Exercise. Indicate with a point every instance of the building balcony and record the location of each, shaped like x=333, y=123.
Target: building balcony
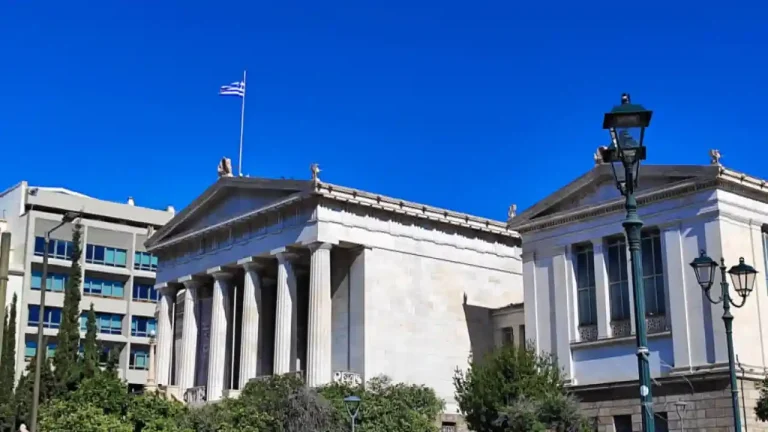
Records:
x=195, y=395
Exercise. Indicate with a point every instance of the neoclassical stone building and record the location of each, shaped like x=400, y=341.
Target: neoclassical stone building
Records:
x=262, y=276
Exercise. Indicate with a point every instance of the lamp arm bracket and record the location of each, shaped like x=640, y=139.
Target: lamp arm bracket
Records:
x=709, y=297
x=737, y=305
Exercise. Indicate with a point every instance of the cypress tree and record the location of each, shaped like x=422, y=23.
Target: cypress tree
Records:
x=90, y=347
x=65, y=362
x=8, y=370
x=24, y=390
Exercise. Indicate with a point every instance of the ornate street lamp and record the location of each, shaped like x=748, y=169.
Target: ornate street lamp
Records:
x=743, y=277
x=352, y=403
x=626, y=123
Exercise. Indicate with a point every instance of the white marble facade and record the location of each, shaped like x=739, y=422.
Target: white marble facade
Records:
x=262, y=277
x=686, y=209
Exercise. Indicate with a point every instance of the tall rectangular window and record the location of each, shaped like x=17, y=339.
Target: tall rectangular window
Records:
x=522, y=336
x=507, y=336
x=145, y=293
x=661, y=422
x=139, y=358
x=144, y=261
x=59, y=249
x=54, y=282
x=106, y=323
x=30, y=349
x=653, y=274
x=52, y=317
x=622, y=423
x=142, y=326
x=585, y=284
x=765, y=256
x=618, y=282
x=104, y=255
x=103, y=288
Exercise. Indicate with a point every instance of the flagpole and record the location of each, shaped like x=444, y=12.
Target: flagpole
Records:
x=242, y=121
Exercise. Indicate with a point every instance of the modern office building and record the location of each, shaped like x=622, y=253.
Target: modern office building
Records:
x=268, y=276
x=578, y=292
x=118, y=272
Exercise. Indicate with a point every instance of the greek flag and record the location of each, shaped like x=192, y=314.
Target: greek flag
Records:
x=235, y=89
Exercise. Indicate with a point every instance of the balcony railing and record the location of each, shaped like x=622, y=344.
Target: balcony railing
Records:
x=657, y=324
x=298, y=374
x=621, y=328
x=195, y=395
x=588, y=333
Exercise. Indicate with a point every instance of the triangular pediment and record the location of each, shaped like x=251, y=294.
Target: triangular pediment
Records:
x=227, y=199
x=598, y=186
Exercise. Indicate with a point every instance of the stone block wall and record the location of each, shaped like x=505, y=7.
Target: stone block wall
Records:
x=707, y=411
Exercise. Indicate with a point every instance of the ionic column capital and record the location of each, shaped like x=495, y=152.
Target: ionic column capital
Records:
x=284, y=255
x=253, y=264
x=191, y=282
x=165, y=288
x=319, y=246
x=220, y=274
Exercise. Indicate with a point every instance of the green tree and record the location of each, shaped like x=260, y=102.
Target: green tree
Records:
x=66, y=364
x=8, y=369
x=24, y=389
x=90, y=358
x=68, y=415
x=515, y=389
x=761, y=407
x=387, y=407
x=152, y=413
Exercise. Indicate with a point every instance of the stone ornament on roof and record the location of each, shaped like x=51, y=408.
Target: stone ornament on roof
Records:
x=598, y=156
x=511, y=212
x=315, y=170
x=225, y=167
x=714, y=157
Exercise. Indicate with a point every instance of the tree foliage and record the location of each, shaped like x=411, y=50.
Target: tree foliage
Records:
x=65, y=362
x=8, y=369
x=761, y=407
x=24, y=389
x=68, y=415
x=516, y=390
x=90, y=358
x=387, y=407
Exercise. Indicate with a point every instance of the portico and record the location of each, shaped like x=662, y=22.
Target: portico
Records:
x=260, y=277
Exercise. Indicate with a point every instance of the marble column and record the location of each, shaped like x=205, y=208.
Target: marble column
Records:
x=221, y=318
x=286, y=316
x=250, y=346
x=319, y=329
x=164, y=334
x=189, y=335
x=602, y=289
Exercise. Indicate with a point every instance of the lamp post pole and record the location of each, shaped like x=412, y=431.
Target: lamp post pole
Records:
x=743, y=277
x=40, y=352
x=632, y=225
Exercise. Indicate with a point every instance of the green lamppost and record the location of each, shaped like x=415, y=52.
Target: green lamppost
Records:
x=627, y=123
x=743, y=277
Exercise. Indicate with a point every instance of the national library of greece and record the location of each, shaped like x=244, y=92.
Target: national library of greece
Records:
x=265, y=276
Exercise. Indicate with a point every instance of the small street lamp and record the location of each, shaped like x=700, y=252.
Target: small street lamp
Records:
x=626, y=123
x=743, y=277
x=680, y=407
x=352, y=403
x=67, y=218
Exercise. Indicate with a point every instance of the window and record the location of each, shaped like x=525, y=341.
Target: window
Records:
x=52, y=317
x=139, y=358
x=765, y=255
x=108, y=256
x=106, y=323
x=103, y=288
x=30, y=349
x=653, y=274
x=585, y=285
x=144, y=261
x=507, y=336
x=54, y=282
x=622, y=423
x=523, y=342
x=142, y=326
x=145, y=293
x=661, y=422
x=59, y=249
x=618, y=282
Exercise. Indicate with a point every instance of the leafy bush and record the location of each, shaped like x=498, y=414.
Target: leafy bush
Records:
x=517, y=385
x=387, y=407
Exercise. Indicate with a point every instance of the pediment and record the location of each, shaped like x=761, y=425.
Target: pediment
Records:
x=598, y=186
x=228, y=199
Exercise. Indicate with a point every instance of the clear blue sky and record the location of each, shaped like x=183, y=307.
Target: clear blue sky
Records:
x=465, y=105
